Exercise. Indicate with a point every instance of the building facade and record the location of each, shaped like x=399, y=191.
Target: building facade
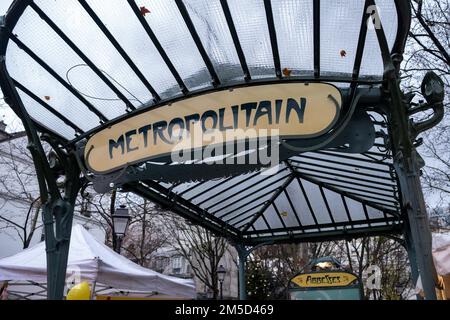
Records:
x=170, y=262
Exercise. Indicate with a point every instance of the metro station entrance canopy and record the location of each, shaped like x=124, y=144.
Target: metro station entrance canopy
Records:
x=110, y=85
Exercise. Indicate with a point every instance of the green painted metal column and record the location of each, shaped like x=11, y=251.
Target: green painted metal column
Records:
x=57, y=245
x=403, y=139
x=420, y=240
x=407, y=163
x=409, y=246
x=242, y=254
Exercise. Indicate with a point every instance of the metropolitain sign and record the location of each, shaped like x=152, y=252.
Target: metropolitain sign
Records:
x=290, y=110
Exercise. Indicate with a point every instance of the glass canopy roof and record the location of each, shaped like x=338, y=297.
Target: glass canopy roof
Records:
x=79, y=65
x=103, y=60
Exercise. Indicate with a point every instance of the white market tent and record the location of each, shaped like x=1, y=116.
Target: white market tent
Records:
x=91, y=261
x=441, y=253
x=441, y=257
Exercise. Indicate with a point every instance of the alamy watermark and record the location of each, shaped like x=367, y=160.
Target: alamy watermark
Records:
x=374, y=21
x=371, y=277
x=230, y=147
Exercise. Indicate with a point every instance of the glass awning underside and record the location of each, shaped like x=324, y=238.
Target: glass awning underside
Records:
x=80, y=65
x=316, y=195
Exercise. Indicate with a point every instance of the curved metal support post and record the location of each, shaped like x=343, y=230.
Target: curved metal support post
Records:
x=409, y=246
x=419, y=234
x=407, y=163
x=58, y=216
x=58, y=202
x=243, y=253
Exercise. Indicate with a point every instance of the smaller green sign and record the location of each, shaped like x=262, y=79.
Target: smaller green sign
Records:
x=325, y=285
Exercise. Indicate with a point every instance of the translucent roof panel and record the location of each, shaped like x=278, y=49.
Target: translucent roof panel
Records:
x=284, y=211
x=32, y=75
x=338, y=43
x=294, y=26
x=233, y=196
x=71, y=69
x=251, y=25
x=300, y=204
x=75, y=22
x=36, y=111
x=134, y=40
x=372, y=64
x=166, y=21
x=318, y=207
x=273, y=219
x=211, y=24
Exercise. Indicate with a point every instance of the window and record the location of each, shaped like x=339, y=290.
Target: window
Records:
x=161, y=263
x=176, y=264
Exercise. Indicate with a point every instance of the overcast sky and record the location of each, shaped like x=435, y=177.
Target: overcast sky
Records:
x=5, y=113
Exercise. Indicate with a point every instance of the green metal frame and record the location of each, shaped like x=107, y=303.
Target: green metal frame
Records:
x=58, y=202
x=402, y=205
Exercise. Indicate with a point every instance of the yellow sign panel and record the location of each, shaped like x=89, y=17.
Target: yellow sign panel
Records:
x=324, y=279
x=288, y=111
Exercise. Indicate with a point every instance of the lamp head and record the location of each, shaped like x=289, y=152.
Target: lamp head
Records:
x=221, y=273
x=433, y=88
x=121, y=219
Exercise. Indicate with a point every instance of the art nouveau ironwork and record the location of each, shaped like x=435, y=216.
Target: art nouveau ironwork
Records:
x=73, y=69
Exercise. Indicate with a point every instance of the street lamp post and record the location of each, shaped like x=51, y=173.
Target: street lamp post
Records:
x=121, y=219
x=221, y=272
